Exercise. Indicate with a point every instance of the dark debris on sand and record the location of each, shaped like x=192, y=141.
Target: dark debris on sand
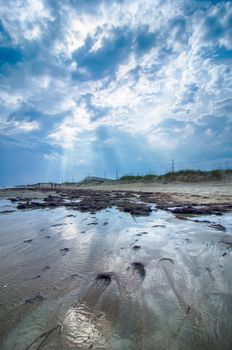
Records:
x=140, y=269
x=27, y=241
x=218, y=227
x=7, y=211
x=135, y=203
x=136, y=247
x=104, y=278
x=89, y=201
x=37, y=298
x=65, y=250
x=207, y=209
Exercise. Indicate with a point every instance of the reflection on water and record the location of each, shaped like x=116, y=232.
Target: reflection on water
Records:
x=111, y=281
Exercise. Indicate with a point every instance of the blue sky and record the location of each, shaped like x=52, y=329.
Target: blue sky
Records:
x=98, y=85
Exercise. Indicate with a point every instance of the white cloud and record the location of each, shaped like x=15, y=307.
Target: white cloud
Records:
x=26, y=126
x=9, y=101
x=12, y=127
x=53, y=156
x=69, y=130
x=77, y=26
x=212, y=27
x=25, y=20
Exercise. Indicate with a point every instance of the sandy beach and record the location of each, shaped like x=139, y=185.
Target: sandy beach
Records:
x=201, y=193
x=179, y=193
x=106, y=267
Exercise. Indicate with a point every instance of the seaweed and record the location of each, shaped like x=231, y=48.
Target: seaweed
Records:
x=218, y=227
x=140, y=269
x=104, y=278
x=167, y=259
x=136, y=247
x=27, y=241
x=37, y=298
x=65, y=250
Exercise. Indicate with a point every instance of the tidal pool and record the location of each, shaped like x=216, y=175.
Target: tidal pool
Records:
x=71, y=280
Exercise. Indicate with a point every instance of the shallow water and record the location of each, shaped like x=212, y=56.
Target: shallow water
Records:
x=183, y=299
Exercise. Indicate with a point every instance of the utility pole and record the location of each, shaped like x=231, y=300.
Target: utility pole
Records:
x=116, y=174
x=173, y=166
x=105, y=175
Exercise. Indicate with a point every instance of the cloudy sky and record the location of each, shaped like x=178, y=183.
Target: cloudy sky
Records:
x=88, y=86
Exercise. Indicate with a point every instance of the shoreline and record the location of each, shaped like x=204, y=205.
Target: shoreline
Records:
x=191, y=197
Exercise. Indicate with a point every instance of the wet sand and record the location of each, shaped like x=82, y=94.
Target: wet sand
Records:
x=71, y=279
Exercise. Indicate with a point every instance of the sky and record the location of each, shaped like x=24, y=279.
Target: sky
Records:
x=104, y=86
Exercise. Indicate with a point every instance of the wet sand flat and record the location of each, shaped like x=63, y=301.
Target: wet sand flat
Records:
x=108, y=279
